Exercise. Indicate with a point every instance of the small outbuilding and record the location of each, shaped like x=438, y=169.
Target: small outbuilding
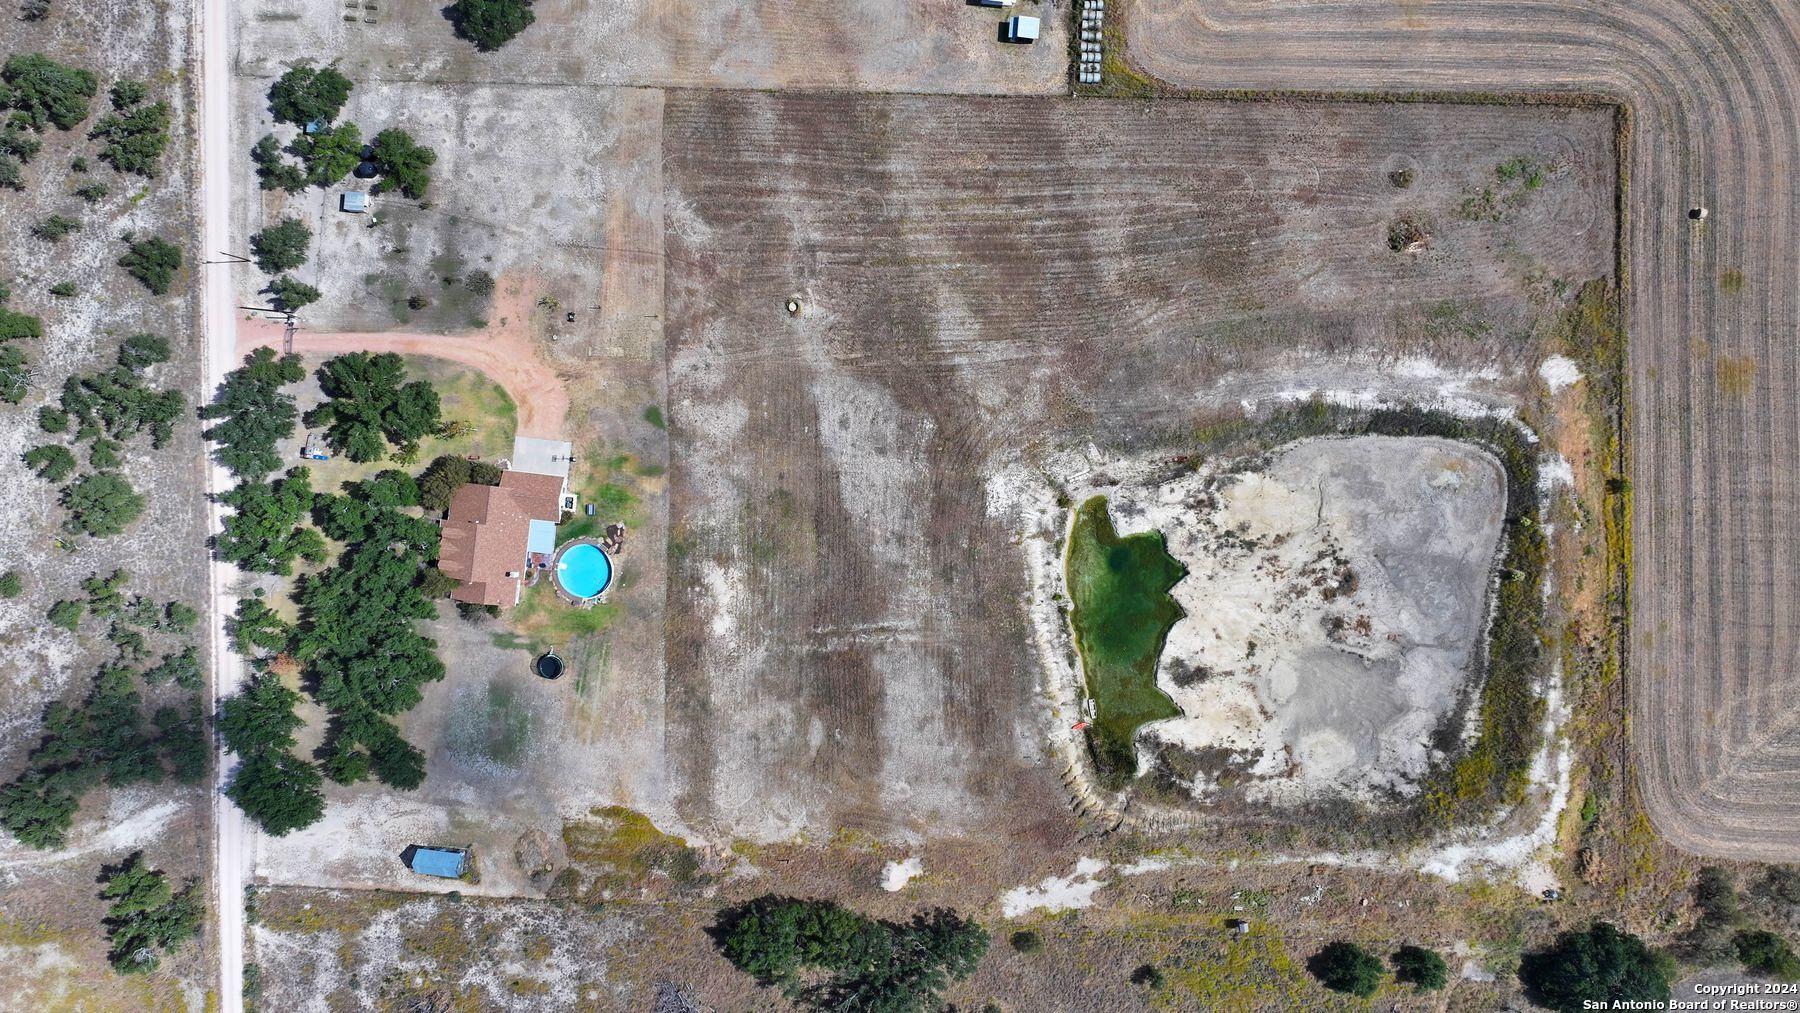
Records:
x=446, y=863
x=354, y=201
x=1022, y=28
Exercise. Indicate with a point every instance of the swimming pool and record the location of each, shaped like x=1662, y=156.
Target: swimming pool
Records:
x=583, y=571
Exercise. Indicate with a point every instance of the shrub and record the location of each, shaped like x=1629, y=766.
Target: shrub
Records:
x=44, y=92
x=1421, y=968
x=52, y=462
x=67, y=614
x=143, y=350
x=304, y=95
x=15, y=375
x=34, y=10
x=153, y=262
x=1026, y=941
x=54, y=227
x=127, y=93
x=1600, y=964
x=93, y=191
x=1148, y=975
x=281, y=247
x=479, y=282
x=11, y=584
x=1768, y=953
x=64, y=290
x=146, y=915
x=1347, y=967
x=52, y=419
x=133, y=140
x=101, y=504
x=491, y=24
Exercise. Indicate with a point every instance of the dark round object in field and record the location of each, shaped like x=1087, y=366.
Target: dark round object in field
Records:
x=548, y=666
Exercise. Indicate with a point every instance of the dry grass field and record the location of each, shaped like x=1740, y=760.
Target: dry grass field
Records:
x=1712, y=310
x=983, y=282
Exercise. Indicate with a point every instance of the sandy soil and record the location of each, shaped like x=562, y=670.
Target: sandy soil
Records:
x=504, y=352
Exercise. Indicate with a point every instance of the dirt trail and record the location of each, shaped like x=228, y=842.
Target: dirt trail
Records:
x=504, y=352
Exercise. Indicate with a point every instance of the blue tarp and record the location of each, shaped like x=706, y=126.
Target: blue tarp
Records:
x=438, y=862
x=541, y=537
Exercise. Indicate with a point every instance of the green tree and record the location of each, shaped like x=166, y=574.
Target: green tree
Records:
x=404, y=162
x=282, y=246
x=1599, y=964
x=263, y=533
x=437, y=584
x=42, y=91
x=491, y=24
x=1767, y=953
x=1347, y=967
x=52, y=419
x=255, y=628
x=39, y=807
x=182, y=668
x=100, y=504
x=254, y=414
x=11, y=584
x=291, y=295
x=183, y=741
x=448, y=473
x=117, y=402
x=127, y=93
x=1715, y=894
x=152, y=261
x=133, y=140
x=330, y=154
x=141, y=351
x=1422, y=968
x=371, y=401
x=281, y=792
x=52, y=462
x=146, y=916
x=179, y=617
x=260, y=717
x=16, y=326
x=273, y=171
x=306, y=95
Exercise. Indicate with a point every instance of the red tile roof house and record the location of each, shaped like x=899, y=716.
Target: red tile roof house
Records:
x=488, y=535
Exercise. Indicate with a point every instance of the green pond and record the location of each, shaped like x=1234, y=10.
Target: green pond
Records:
x=1122, y=612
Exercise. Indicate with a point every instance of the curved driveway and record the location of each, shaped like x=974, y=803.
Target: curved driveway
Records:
x=1714, y=86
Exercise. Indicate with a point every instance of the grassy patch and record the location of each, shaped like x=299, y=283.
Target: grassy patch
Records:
x=1122, y=614
x=542, y=620
x=625, y=845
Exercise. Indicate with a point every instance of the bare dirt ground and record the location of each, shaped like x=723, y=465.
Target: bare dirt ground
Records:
x=852, y=652
x=1712, y=305
x=52, y=945
x=938, y=47
x=505, y=354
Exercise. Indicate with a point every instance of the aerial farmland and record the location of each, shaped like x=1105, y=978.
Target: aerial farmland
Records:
x=1056, y=505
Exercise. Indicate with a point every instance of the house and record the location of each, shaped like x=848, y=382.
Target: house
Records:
x=354, y=201
x=1022, y=28
x=491, y=533
x=445, y=862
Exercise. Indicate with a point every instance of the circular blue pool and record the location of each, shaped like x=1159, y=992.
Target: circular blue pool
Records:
x=583, y=571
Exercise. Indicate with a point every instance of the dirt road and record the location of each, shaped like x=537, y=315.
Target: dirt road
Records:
x=505, y=355
x=1711, y=301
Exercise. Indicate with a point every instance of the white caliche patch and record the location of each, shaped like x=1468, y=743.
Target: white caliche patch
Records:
x=1559, y=372
x=895, y=875
x=1057, y=893
x=1555, y=472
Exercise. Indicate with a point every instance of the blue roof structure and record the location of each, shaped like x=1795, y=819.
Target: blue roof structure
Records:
x=540, y=536
x=355, y=201
x=438, y=862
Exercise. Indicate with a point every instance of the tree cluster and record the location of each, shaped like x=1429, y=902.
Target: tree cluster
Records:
x=357, y=638
x=371, y=404
x=41, y=92
x=146, y=915
x=450, y=472
x=134, y=135
x=1598, y=965
x=153, y=261
x=277, y=789
x=825, y=956
x=253, y=414
x=265, y=532
x=490, y=24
